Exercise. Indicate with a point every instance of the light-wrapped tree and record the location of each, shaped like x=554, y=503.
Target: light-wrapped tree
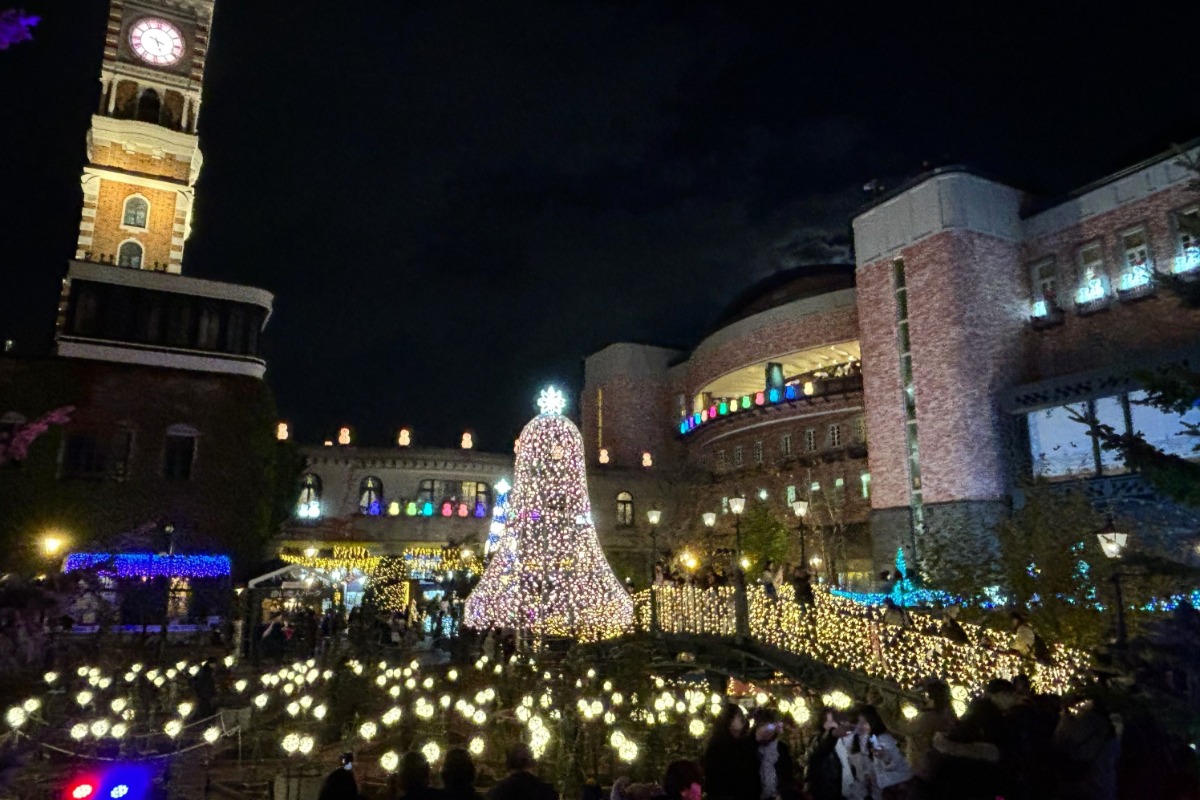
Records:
x=548, y=576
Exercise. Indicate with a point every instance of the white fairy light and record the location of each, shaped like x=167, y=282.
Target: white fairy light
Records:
x=212, y=734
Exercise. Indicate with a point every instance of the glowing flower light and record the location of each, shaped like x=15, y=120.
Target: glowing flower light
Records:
x=389, y=761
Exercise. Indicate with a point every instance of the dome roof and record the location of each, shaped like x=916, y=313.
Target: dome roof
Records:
x=786, y=286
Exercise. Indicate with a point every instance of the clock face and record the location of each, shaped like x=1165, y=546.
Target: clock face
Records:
x=156, y=41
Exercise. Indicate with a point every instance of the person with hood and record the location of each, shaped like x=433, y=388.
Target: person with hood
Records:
x=458, y=776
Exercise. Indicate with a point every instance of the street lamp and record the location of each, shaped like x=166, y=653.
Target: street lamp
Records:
x=654, y=516
x=51, y=545
x=737, y=505
x=800, y=509
x=1113, y=542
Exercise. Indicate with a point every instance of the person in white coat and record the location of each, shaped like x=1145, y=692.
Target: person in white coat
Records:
x=891, y=775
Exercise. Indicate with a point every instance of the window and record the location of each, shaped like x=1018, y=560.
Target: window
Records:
x=82, y=456
x=865, y=480
x=757, y=452
x=724, y=505
x=839, y=484
x=835, y=435
x=810, y=440
x=425, y=498
x=309, y=504
x=785, y=445
x=179, y=454
x=479, y=495
x=1138, y=269
x=815, y=486
x=737, y=456
x=720, y=459
x=130, y=255
x=136, y=212
x=370, y=496
x=1044, y=278
x=1187, y=227
x=790, y=493
x=624, y=509
x=1093, y=285
x=1167, y=432
x=122, y=451
x=860, y=429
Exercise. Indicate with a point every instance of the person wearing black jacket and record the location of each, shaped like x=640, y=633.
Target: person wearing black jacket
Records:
x=730, y=760
x=458, y=776
x=521, y=783
x=823, y=775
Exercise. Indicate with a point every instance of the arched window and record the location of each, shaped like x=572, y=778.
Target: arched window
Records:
x=370, y=497
x=309, y=504
x=624, y=509
x=137, y=211
x=149, y=106
x=180, y=452
x=483, y=500
x=130, y=255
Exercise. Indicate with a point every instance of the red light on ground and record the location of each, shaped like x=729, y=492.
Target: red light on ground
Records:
x=82, y=790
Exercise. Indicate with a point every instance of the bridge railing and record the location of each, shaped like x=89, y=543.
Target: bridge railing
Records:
x=847, y=635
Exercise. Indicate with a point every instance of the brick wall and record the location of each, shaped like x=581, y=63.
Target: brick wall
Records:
x=882, y=389
x=1125, y=330
x=108, y=233
x=117, y=157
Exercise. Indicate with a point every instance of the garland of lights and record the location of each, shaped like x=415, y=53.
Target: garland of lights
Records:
x=149, y=565
x=548, y=575
x=346, y=559
x=845, y=634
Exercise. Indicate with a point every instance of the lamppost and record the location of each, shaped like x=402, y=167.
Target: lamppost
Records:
x=800, y=509
x=737, y=505
x=654, y=516
x=1113, y=542
x=710, y=519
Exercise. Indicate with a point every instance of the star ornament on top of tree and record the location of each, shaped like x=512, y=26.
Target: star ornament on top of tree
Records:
x=551, y=401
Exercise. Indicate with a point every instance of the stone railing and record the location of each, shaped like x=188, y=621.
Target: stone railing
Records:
x=846, y=635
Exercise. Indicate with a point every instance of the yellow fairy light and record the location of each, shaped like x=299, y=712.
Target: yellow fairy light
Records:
x=79, y=731
x=389, y=761
x=475, y=746
x=212, y=734
x=432, y=752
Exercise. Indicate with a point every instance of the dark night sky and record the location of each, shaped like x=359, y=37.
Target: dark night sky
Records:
x=455, y=202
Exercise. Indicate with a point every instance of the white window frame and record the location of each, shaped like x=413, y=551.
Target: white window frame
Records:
x=1093, y=281
x=1187, y=245
x=1137, y=262
x=125, y=206
x=737, y=455
x=835, y=434
x=810, y=440
x=785, y=445
x=1044, y=298
x=141, y=258
x=757, y=452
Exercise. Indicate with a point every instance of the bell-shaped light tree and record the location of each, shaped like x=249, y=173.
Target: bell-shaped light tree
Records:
x=548, y=575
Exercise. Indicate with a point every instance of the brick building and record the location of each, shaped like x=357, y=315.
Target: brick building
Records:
x=172, y=423
x=913, y=392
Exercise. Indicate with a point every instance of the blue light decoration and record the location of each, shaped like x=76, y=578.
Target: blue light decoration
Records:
x=150, y=565
x=1187, y=262
x=499, y=517
x=773, y=395
x=1135, y=278
x=789, y=391
x=427, y=509
x=374, y=508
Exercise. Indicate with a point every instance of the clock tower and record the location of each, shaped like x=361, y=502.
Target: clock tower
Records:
x=124, y=298
x=142, y=150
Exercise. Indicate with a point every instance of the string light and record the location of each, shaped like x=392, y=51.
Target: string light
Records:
x=548, y=574
x=149, y=565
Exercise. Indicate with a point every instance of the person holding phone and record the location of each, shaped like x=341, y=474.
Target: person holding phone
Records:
x=776, y=771
x=892, y=776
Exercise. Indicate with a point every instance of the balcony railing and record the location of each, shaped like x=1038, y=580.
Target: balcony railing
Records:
x=793, y=392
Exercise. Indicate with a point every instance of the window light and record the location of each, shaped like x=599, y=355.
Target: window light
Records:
x=1040, y=309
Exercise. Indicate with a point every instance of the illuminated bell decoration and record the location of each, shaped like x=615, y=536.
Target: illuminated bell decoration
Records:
x=281, y=432
x=468, y=441
x=603, y=455
x=647, y=460
x=343, y=436
x=548, y=574
x=404, y=438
